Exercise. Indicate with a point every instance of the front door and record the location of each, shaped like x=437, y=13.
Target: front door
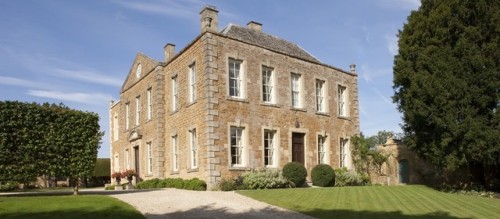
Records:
x=298, y=147
x=136, y=162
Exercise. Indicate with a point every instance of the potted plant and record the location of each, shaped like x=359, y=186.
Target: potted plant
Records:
x=117, y=176
x=129, y=174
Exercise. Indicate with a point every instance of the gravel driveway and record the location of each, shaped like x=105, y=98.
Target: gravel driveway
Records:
x=175, y=203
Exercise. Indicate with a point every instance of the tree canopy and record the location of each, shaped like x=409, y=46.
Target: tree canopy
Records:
x=447, y=82
x=46, y=139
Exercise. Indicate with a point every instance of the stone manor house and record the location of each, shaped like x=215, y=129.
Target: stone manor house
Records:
x=232, y=100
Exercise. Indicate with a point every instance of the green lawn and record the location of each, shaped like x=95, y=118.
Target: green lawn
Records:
x=369, y=202
x=82, y=206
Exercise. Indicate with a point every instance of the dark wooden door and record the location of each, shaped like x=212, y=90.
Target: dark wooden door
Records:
x=136, y=162
x=298, y=147
x=404, y=171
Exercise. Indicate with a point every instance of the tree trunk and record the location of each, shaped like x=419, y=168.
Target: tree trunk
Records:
x=76, y=184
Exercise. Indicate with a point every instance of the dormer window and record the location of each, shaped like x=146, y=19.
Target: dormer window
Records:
x=138, y=71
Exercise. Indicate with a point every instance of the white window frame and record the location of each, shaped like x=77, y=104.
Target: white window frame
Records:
x=127, y=116
x=268, y=86
x=238, y=90
x=322, y=141
x=344, y=153
x=175, y=94
x=321, y=103
x=237, y=148
x=150, y=157
x=192, y=83
x=115, y=127
x=342, y=101
x=193, y=145
x=296, y=90
x=150, y=104
x=271, y=145
x=175, y=153
x=137, y=110
x=127, y=159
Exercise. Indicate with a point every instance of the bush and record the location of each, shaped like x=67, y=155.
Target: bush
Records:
x=178, y=183
x=295, y=172
x=226, y=185
x=111, y=187
x=344, y=177
x=323, y=175
x=8, y=186
x=265, y=179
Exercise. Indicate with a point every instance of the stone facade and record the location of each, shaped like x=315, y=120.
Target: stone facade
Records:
x=402, y=166
x=231, y=101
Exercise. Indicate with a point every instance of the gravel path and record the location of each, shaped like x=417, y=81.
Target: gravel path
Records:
x=175, y=203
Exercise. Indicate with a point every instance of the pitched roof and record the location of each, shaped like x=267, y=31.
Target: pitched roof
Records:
x=267, y=41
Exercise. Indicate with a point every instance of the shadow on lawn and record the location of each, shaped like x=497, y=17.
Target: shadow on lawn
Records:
x=207, y=211
x=108, y=213
x=345, y=214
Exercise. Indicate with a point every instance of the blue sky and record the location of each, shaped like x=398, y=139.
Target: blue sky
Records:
x=79, y=52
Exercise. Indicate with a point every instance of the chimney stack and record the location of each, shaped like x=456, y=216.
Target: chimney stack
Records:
x=169, y=52
x=255, y=26
x=208, y=19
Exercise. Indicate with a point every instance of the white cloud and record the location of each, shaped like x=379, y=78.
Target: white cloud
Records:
x=392, y=44
x=20, y=82
x=87, y=98
x=88, y=76
x=382, y=96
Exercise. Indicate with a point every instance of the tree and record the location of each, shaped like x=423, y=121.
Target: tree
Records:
x=46, y=139
x=447, y=82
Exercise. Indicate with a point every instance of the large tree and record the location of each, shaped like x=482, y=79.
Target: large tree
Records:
x=50, y=140
x=447, y=82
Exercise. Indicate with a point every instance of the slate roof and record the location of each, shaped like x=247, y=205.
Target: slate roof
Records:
x=267, y=41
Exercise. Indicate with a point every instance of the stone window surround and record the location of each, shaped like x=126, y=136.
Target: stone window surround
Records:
x=273, y=84
x=174, y=95
x=149, y=96
x=243, y=75
x=326, y=97
x=174, y=136
x=149, y=158
x=326, y=143
x=346, y=113
x=246, y=146
x=192, y=90
x=276, y=145
x=300, y=91
x=192, y=168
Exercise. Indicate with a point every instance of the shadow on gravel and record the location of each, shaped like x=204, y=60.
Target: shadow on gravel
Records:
x=81, y=192
x=207, y=211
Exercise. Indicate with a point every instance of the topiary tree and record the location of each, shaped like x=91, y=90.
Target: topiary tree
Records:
x=323, y=175
x=295, y=172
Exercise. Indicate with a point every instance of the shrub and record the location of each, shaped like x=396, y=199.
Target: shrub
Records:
x=111, y=187
x=226, y=185
x=178, y=183
x=8, y=186
x=323, y=175
x=344, y=177
x=265, y=179
x=295, y=172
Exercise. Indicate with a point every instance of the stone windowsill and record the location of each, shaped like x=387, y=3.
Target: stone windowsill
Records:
x=298, y=109
x=344, y=117
x=192, y=170
x=174, y=172
x=190, y=103
x=322, y=113
x=237, y=99
x=270, y=104
x=239, y=168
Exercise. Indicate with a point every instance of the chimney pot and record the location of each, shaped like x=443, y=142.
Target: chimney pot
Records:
x=353, y=68
x=169, y=50
x=254, y=25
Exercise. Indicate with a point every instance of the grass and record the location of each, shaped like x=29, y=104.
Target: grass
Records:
x=379, y=202
x=82, y=206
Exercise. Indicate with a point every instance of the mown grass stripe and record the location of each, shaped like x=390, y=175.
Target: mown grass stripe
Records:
x=380, y=202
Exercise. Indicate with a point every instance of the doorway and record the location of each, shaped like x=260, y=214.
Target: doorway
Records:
x=298, y=147
x=404, y=171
